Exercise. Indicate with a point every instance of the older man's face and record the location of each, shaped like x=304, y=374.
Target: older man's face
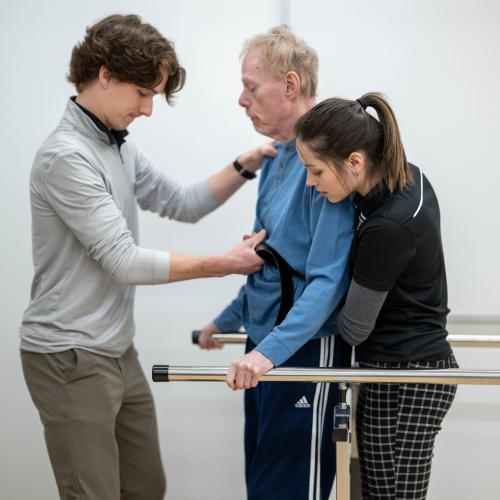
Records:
x=263, y=96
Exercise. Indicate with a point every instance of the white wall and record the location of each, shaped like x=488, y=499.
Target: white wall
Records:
x=438, y=63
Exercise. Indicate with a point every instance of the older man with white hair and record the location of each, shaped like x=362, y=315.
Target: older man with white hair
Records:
x=288, y=447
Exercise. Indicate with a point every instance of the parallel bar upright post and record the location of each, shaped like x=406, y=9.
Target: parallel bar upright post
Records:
x=342, y=437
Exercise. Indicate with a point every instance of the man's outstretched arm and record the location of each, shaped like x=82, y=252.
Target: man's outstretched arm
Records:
x=158, y=193
x=241, y=259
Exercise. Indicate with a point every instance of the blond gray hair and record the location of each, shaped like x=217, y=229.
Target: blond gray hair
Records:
x=284, y=51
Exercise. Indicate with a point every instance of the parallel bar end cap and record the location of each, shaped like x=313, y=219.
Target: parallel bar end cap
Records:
x=195, y=336
x=160, y=373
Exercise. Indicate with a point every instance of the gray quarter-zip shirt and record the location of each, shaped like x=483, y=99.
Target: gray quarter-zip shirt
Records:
x=84, y=191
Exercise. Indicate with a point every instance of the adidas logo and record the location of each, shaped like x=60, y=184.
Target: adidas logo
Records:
x=302, y=403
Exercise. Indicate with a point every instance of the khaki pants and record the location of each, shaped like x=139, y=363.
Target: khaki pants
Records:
x=100, y=424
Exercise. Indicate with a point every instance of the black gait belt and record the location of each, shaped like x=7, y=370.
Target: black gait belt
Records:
x=272, y=257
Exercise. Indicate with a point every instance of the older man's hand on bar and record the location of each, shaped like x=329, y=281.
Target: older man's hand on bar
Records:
x=205, y=340
x=245, y=371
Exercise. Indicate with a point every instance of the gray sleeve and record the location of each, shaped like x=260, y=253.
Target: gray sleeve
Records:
x=357, y=318
x=158, y=193
x=77, y=193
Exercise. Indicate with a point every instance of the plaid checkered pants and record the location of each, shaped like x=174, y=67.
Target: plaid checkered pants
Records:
x=396, y=427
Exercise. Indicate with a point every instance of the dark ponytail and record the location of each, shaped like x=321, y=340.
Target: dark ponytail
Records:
x=334, y=128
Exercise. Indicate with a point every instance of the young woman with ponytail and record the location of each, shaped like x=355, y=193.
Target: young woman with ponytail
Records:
x=396, y=307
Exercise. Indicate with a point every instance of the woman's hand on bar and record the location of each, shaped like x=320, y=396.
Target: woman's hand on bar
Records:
x=245, y=371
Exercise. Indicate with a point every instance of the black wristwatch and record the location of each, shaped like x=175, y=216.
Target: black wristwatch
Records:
x=241, y=170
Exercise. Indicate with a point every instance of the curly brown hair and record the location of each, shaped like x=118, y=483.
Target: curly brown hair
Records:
x=131, y=50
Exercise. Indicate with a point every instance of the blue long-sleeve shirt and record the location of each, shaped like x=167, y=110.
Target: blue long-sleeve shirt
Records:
x=314, y=237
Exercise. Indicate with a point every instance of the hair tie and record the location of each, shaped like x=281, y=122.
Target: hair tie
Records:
x=362, y=103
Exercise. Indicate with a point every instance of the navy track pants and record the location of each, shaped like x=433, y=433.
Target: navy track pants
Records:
x=289, y=452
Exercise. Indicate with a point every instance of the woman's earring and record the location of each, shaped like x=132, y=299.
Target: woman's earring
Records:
x=355, y=173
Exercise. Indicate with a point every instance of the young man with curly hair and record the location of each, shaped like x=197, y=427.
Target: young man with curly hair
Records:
x=77, y=349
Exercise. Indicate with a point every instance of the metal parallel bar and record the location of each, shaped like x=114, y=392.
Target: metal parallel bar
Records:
x=231, y=338
x=455, y=340
x=167, y=373
x=225, y=338
x=474, y=340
